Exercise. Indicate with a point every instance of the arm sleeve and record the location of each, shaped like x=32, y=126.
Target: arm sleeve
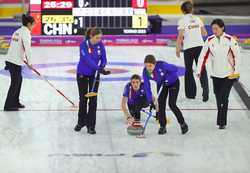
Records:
x=171, y=72
x=147, y=86
x=103, y=56
x=203, y=58
x=126, y=91
x=171, y=68
x=236, y=52
x=86, y=57
x=180, y=25
x=26, y=45
x=200, y=22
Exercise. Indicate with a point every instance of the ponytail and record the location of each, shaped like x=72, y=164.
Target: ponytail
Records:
x=90, y=32
x=26, y=19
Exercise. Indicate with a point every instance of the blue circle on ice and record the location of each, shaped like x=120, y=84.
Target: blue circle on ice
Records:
x=27, y=73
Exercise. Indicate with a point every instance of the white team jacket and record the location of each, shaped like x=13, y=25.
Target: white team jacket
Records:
x=20, y=46
x=223, y=54
x=191, y=25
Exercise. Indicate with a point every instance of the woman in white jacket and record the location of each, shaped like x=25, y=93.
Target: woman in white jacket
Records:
x=190, y=32
x=19, y=50
x=223, y=53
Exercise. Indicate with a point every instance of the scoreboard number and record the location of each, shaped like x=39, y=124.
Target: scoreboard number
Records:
x=139, y=3
x=139, y=21
x=72, y=17
x=56, y=4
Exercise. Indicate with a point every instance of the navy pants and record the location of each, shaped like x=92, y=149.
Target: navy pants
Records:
x=12, y=99
x=87, y=106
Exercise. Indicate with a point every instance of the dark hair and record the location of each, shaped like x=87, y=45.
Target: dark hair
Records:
x=219, y=22
x=150, y=59
x=26, y=19
x=187, y=7
x=136, y=77
x=92, y=32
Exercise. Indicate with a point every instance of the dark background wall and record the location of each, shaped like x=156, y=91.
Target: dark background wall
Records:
x=223, y=7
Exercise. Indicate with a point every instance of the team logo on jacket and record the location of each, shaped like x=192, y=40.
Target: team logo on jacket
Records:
x=141, y=95
x=99, y=51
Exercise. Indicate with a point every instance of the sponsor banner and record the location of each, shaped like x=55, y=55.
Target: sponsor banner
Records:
x=110, y=40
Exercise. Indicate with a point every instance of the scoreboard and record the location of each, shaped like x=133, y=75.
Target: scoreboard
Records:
x=73, y=17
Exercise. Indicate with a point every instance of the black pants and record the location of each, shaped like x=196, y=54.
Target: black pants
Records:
x=87, y=110
x=222, y=88
x=190, y=87
x=135, y=110
x=12, y=99
x=173, y=92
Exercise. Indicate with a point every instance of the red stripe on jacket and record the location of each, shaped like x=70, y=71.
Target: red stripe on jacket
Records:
x=205, y=60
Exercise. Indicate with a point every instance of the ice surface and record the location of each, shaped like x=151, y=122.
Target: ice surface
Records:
x=41, y=138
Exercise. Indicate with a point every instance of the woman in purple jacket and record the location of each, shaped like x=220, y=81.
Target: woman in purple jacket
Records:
x=92, y=59
x=168, y=82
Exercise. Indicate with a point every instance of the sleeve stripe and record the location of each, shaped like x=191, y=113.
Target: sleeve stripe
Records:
x=205, y=60
x=231, y=51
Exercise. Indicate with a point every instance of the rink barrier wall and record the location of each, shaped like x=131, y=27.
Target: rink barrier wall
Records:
x=114, y=40
x=238, y=86
x=109, y=40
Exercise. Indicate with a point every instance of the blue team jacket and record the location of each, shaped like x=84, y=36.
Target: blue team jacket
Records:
x=92, y=58
x=134, y=96
x=163, y=73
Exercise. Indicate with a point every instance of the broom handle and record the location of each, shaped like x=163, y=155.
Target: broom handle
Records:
x=96, y=75
x=146, y=122
x=93, y=86
x=39, y=74
x=150, y=114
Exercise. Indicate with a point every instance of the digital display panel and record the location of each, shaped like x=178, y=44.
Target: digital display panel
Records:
x=73, y=17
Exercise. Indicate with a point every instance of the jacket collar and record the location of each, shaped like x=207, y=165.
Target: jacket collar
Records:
x=26, y=29
x=222, y=36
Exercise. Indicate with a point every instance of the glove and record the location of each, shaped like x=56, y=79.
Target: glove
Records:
x=152, y=106
x=104, y=72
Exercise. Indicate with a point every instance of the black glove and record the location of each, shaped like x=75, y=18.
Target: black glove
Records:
x=152, y=106
x=104, y=72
